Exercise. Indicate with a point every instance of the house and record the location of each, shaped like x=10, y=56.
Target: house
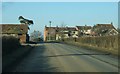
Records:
x=104, y=29
x=49, y=33
x=59, y=33
x=17, y=30
x=111, y=32
x=84, y=30
x=66, y=32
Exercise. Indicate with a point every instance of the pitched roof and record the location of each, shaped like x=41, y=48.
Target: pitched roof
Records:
x=110, y=26
x=103, y=28
x=83, y=27
x=61, y=28
x=66, y=28
x=103, y=24
x=50, y=28
x=14, y=28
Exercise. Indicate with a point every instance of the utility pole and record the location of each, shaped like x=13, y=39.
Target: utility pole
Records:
x=49, y=31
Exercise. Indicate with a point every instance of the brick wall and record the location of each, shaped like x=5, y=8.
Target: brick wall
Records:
x=22, y=38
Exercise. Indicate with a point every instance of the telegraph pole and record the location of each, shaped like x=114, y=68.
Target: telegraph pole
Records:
x=49, y=31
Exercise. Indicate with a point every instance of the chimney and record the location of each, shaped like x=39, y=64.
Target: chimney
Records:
x=50, y=23
x=111, y=23
x=45, y=26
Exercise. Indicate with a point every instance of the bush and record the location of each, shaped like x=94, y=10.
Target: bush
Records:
x=9, y=44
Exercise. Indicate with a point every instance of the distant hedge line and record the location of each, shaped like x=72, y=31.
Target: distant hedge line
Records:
x=110, y=42
x=9, y=44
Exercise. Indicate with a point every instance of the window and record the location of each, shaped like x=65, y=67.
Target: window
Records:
x=19, y=34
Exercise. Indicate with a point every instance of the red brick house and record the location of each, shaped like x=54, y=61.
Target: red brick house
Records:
x=49, y=33
x=17, y=30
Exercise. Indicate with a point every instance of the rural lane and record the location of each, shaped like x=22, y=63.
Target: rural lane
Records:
x=58, y=57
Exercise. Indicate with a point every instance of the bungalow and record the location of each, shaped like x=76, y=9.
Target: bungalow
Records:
x=17, y=30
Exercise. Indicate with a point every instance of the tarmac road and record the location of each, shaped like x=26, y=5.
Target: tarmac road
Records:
x=58, y=57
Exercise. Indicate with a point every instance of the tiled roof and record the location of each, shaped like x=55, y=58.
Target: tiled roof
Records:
x=104, y=25
x=103, y=28
x=67, y=28
x=61, y=28
x=83, y=27
x=14, y=28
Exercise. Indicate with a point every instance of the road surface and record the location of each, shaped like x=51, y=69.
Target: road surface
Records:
x=57, y=57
